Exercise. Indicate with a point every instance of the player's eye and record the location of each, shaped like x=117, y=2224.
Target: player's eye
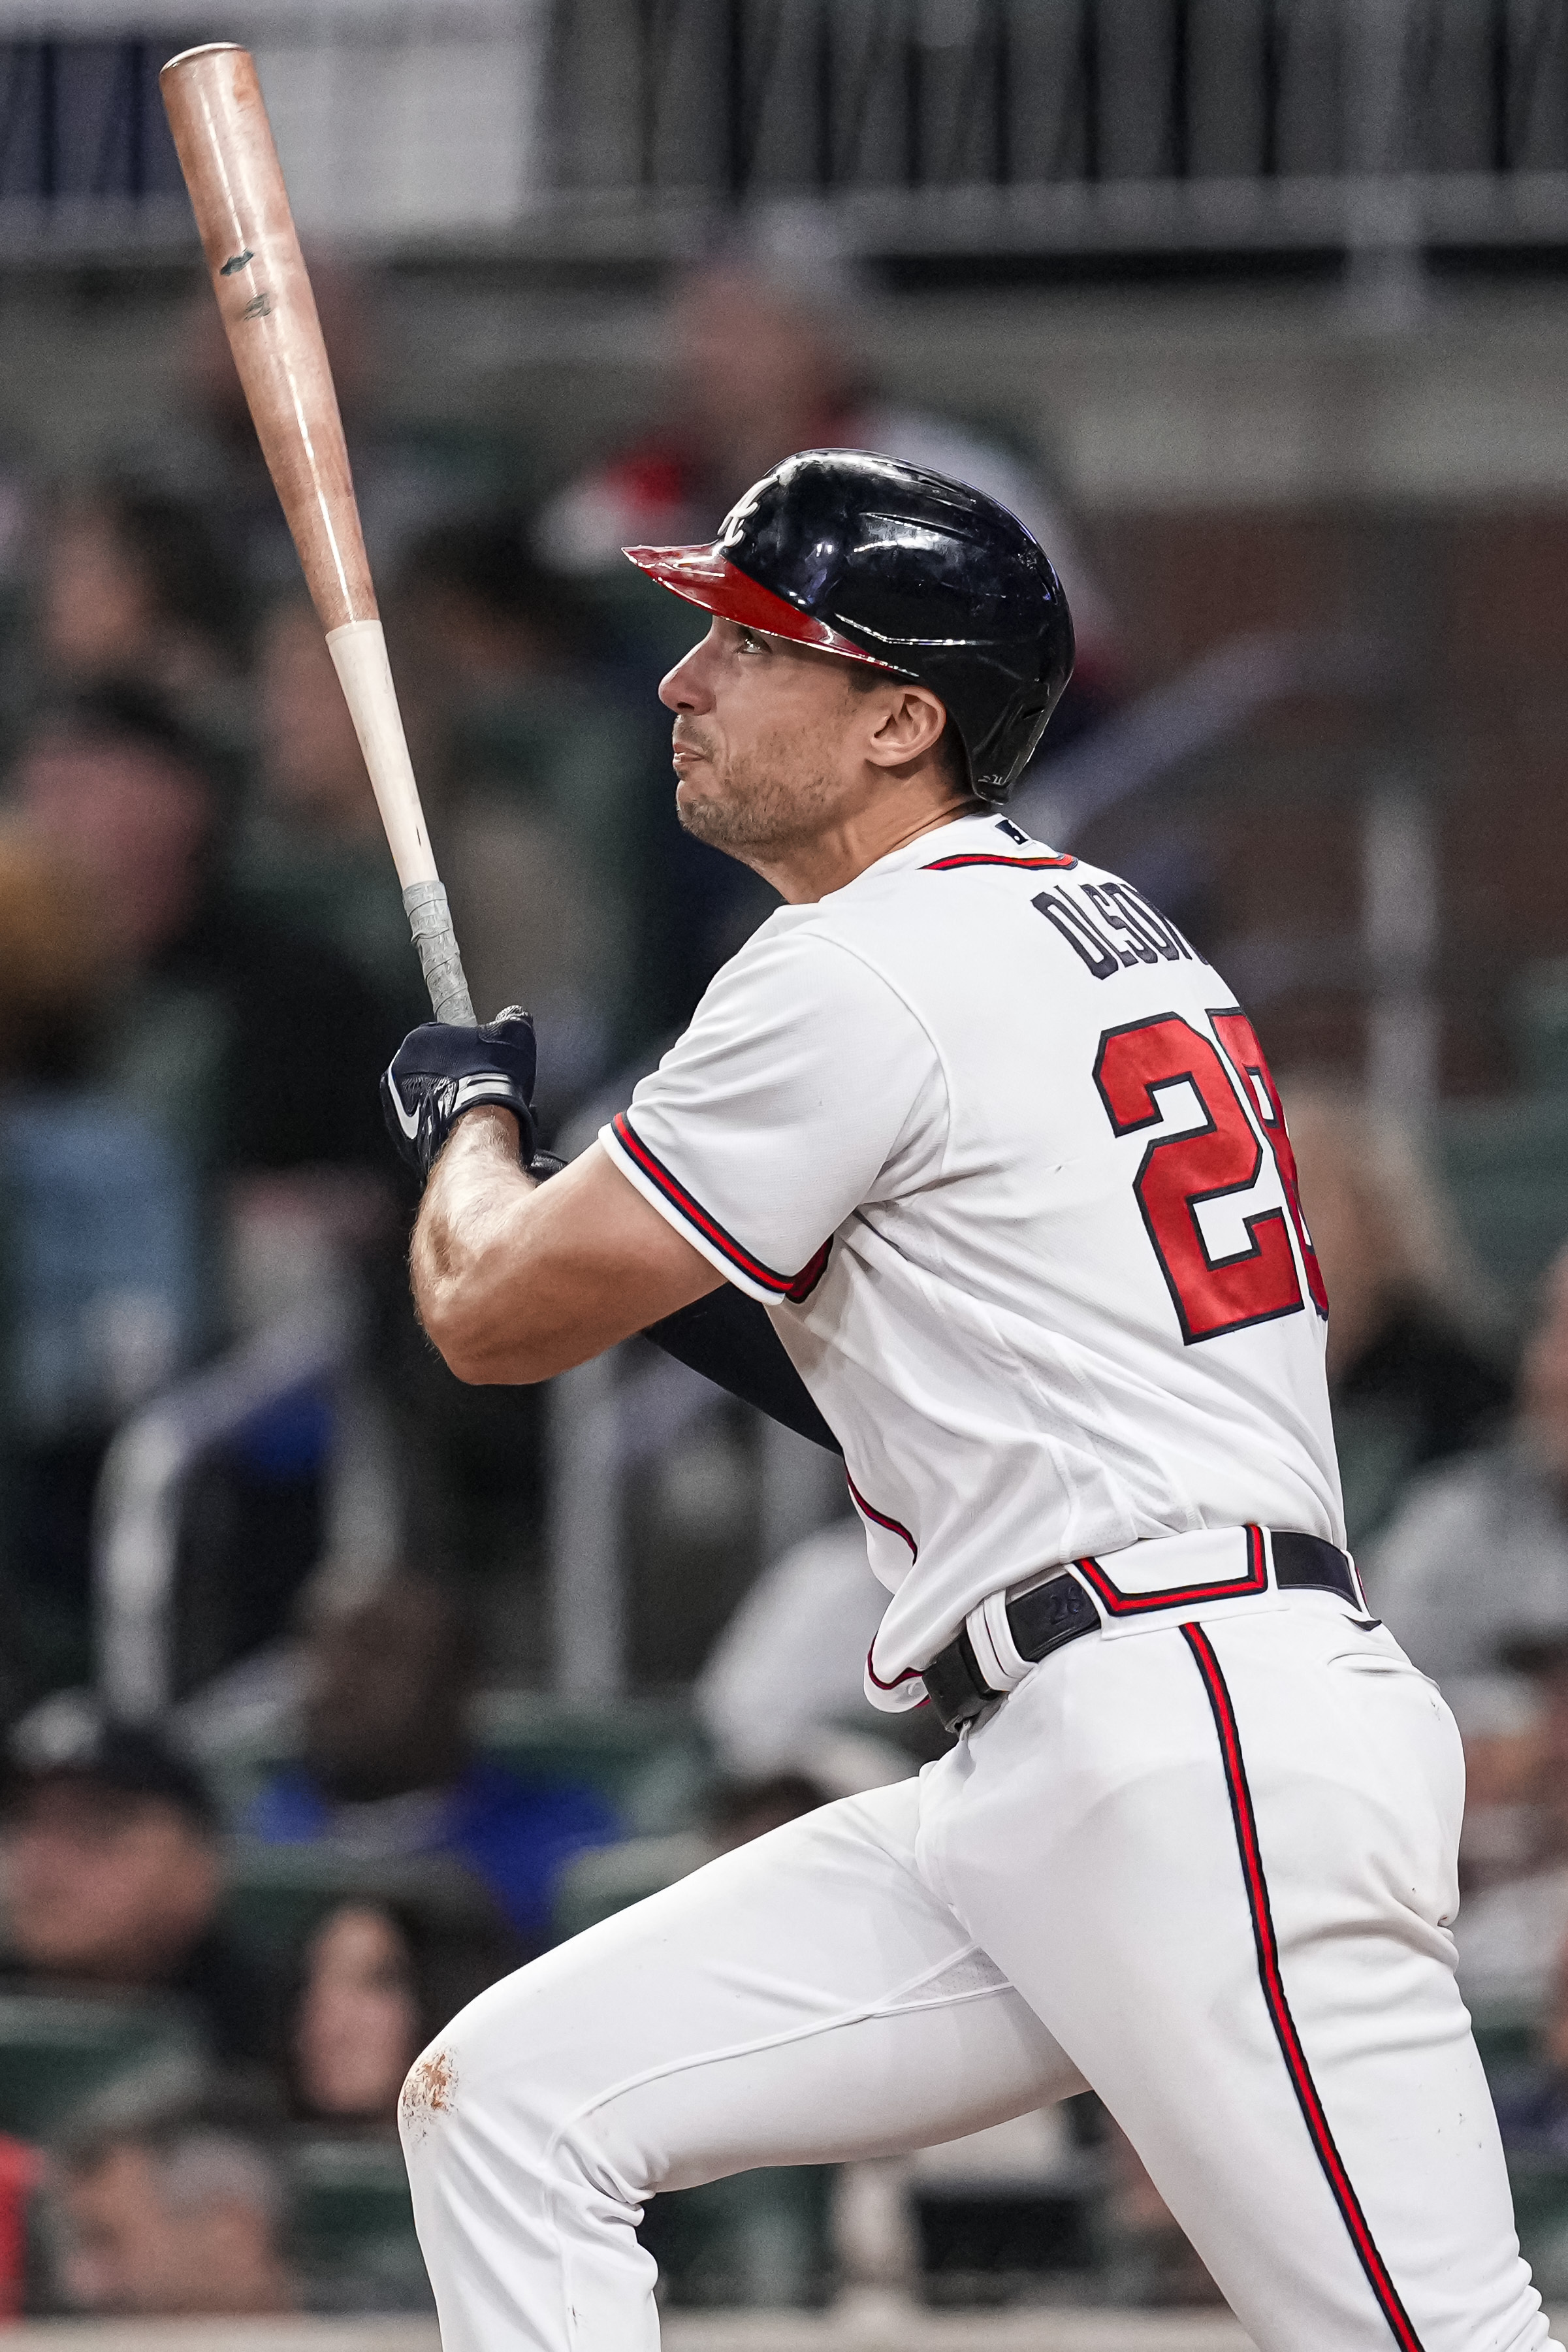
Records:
x=751, y=643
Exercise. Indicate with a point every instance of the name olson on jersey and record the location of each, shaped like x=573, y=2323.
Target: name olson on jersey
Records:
x=1110, y=928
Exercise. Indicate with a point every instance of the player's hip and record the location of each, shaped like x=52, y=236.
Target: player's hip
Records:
x=1302, y=1723
x=1204, y=1576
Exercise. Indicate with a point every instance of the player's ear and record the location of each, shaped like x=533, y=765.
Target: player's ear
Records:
x=910, y=720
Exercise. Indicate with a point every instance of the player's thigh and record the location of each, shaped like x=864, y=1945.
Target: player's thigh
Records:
x=805, y=1999
x=1244, y=1948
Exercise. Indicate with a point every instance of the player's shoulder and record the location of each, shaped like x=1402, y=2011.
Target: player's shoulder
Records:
x=801, y=963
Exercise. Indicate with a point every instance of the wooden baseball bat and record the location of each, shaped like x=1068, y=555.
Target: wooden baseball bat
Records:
x=225, y=143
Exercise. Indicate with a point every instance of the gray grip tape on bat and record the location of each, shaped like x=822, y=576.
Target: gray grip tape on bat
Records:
x=430, y=920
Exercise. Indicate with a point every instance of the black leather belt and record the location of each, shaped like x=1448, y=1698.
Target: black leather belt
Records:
x=1050, y=1615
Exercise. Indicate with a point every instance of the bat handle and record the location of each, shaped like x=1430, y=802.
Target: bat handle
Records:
x=435, y=943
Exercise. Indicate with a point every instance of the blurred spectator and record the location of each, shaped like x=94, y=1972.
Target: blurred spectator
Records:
x=206, y=1033
x=356, y=2027
x=177, y=2212
x=1532, y=2101
x=208, y=449
x=379, y=1981
x=21, y=2173
x=215, y=1021
x=741, y=1811
x=315, y=855
x=132, y=585
x=387, y=1770
x=1410, y=1373
x=762, y=362
x=51, y=964
x=98, y=1257
x=484, y=609
x=1476, y=1563
x=114, y=1874
x=543, y=782
x=783, y=1688
x=1512, y=1930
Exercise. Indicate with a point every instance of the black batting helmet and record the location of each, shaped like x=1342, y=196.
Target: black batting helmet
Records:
x=883, y=564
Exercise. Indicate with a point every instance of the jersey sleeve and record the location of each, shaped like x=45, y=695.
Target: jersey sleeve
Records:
x=804, y=1089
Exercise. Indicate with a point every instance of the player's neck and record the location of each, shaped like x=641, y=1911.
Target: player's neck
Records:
x=841, y=851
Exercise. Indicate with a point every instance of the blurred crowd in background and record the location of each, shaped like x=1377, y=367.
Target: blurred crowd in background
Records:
x=250, y=1867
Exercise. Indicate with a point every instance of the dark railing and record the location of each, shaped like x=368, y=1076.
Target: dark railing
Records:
x=959, y=125
x=81, y=123
x=1198, y=121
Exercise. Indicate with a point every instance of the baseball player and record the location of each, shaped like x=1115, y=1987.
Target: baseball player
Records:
x=986, y=1157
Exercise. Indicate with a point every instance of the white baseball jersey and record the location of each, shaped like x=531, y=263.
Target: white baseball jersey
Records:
x=1003, y=1156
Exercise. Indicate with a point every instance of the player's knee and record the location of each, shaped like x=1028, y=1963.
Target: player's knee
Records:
x=428, y=2097
x=517, y=2129
x=495, y=2076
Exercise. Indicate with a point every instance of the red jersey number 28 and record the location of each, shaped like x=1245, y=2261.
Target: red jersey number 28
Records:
x=1179, y=1174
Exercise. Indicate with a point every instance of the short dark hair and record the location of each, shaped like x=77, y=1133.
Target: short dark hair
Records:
x=491, y=559
x=82, y=1747
x=190, y=574
x=202, y=2147
x=118, y=710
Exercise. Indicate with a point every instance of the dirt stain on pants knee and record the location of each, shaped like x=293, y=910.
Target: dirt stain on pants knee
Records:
x=430, y=2091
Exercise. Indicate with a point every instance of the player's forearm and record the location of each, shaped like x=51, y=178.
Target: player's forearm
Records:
x=471, y=1243
x=517, y=1281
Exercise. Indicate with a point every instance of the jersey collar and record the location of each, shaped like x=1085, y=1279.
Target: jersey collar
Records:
x=961, y=833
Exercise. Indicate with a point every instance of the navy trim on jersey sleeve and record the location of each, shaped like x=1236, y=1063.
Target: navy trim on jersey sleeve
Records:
x=793, y=1287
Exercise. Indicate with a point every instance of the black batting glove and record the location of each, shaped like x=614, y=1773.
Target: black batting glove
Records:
x=441, y=1071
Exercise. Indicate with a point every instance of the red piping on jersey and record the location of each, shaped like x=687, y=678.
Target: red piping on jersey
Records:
x=894, y=1527
x=793, y=1287
x=910, y=1674
x=1118, y=1603
x=984, y=857
x=1278, y=2007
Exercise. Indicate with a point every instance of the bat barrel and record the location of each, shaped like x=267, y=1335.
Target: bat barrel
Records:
x=188, y=57
x=225, y=145
x=225, y=148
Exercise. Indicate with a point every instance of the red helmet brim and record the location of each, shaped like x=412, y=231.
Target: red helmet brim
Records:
x=706, y=576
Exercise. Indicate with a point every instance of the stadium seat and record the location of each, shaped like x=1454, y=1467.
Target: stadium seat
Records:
x=1506, y=1165
x=603, y=1881
x=58, y=2049
x=643, y=1755
x=1505, y=2035
x=760, y=2238
x=1540, y=2186
x=353, y=2234
x=277, y=1894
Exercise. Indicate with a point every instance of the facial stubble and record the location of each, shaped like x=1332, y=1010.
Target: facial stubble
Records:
x=765, y=804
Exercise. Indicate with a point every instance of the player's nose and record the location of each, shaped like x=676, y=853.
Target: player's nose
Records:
x=685, y=688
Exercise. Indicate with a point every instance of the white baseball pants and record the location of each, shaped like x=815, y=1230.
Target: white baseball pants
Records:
x=1208, y=1870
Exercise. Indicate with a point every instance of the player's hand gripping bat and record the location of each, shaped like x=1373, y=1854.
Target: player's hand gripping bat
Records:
x=226, y=149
